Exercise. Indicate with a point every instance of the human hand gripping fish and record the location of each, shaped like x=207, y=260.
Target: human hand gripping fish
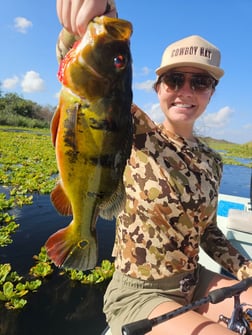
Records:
x=92, y=133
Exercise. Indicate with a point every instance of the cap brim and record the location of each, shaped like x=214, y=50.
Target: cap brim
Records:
x=214, y=71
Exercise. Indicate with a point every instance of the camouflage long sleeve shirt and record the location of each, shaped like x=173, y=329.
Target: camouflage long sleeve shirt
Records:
x=172, y=195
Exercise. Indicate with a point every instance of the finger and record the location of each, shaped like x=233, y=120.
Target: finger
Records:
x=58, y=9
x=87, y=12
x=75, y=9
x=65, y=18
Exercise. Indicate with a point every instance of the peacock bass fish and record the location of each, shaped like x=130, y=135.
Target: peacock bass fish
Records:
x=92, y=134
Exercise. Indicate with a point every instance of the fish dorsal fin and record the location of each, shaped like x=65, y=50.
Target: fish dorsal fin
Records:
x=60, y=200
x=113, y=206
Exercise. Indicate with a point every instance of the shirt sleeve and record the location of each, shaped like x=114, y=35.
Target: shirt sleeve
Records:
x=218, y=247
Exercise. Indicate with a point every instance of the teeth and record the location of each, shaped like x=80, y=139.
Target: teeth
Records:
x=183, y=105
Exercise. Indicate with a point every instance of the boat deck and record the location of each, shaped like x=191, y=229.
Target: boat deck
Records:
x=235, y=220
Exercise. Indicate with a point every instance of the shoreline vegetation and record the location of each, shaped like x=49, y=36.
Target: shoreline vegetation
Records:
x=232, y=153
x=27, y=167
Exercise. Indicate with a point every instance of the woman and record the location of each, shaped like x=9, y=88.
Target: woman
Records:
x=172, y=182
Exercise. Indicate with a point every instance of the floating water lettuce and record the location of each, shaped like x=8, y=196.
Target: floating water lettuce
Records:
x=43, y=266
x=95, y=276
x=12, y=289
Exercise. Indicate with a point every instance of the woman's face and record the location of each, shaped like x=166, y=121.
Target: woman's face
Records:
x=183, y=104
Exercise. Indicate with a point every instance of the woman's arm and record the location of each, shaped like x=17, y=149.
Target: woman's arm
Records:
x=218, y=247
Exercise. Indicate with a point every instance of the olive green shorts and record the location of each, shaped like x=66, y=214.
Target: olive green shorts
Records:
x=128, y=299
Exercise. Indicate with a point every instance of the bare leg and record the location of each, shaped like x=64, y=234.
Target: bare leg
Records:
x=190, y=323
x=225, y=307
x=205, y=320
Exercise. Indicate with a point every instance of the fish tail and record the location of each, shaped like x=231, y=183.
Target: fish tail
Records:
x=71, y=252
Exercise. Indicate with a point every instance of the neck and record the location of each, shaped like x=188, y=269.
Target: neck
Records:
x=185, y=131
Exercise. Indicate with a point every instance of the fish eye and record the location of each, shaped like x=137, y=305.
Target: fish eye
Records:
x=119, y=62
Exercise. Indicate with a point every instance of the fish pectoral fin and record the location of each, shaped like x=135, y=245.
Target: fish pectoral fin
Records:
x=70, y=251
x=112, y=207
x=55, y=124
x=60, y=200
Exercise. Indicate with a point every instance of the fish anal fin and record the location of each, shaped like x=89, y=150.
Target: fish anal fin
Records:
x=112, y=207
x=58, y=246
x=60, y=200
x=71, y=252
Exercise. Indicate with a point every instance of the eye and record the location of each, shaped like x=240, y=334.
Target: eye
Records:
x=202, y=82
x=119, y=62
x=174, y=80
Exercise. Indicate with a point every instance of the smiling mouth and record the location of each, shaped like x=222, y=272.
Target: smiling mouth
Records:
x=178, y=105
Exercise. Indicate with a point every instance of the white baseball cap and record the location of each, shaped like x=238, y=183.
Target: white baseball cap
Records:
x=192, y=51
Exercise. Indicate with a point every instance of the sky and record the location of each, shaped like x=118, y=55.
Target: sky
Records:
x=28, y=65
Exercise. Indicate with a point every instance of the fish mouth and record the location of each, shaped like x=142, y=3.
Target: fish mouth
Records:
x=89, y=39
x=83, y=63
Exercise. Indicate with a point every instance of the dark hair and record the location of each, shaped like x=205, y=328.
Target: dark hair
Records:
x=157, y=82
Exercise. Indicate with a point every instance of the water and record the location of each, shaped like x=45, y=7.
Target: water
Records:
x=236, y=180
x=61, y=306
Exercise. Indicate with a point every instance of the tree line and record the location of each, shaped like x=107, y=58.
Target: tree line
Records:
x=19, y=112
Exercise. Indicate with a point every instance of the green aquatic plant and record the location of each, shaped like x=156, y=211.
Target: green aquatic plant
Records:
x=6, y=230
x=12, y=289
x=4, y=271
x=42, y=256
x=8, y=224
x=41, y=269
x=13, y=295
x=7, y=275
x=25, y=169
x=43, y=266
x=22, y=172
x=95, y=276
